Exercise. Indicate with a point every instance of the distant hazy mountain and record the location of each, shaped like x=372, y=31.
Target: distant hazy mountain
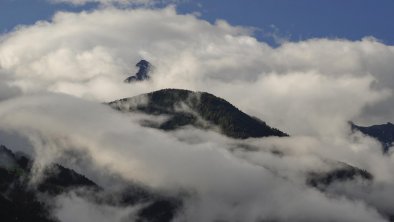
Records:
x=383, y=133
x=199, y=109
x=342, y=172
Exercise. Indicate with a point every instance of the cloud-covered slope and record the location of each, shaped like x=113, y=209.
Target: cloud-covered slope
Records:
x=23, y=199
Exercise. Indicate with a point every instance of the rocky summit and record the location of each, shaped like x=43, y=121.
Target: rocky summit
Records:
x=143, y=73
x=384, y=133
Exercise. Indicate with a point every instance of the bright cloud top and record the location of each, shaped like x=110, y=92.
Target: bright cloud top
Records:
x=89, y=54
x=113, y=2
x=309, y=89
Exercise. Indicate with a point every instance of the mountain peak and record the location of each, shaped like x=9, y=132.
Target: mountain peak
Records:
x=143, y=73
x=188, y=108
x=384, y=133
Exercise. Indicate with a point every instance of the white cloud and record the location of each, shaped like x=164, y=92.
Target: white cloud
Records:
x=7, y=91
x=74, y=208
x=115, y=2
x=222, y=185
x=89, y=55
x=106, y=2
x=309, y=89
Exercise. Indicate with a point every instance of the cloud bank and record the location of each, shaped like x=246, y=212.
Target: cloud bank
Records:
x=55, y=75
x=88, y=55
x=218, y=179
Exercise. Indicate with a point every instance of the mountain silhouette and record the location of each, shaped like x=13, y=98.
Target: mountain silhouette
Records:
x=198, y=109
x=384, y=133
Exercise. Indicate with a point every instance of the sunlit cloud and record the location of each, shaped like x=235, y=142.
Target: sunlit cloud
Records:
x=55, y=76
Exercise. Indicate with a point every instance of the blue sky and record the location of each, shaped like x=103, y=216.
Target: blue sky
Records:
x=290, y=19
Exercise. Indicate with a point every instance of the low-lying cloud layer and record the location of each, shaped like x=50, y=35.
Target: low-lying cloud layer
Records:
x=309, y=89
x=230, y=185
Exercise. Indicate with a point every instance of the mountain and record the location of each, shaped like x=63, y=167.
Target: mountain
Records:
x=143, y=73
x=22, y=201
x=56, y=178
x=383, y=133
x=199, y=109
x=342, y=172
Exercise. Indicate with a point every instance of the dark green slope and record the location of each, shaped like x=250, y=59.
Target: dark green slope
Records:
x=194, y=108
